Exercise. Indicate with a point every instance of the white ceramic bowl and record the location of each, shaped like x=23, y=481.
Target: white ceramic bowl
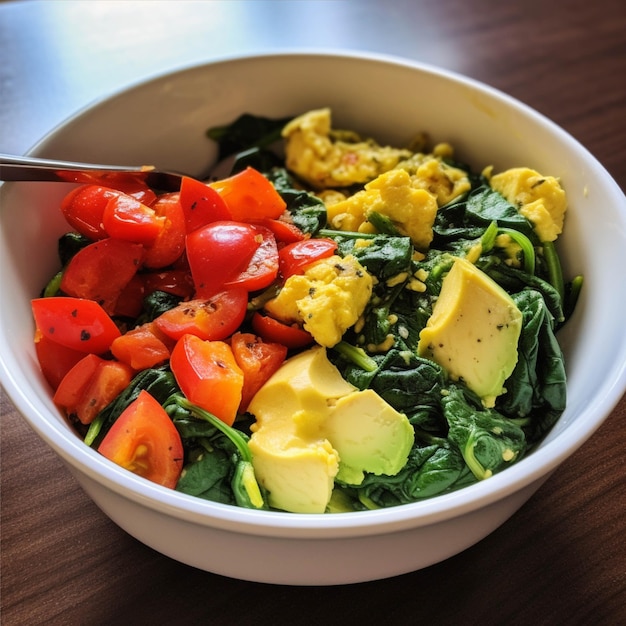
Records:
x=163, y=121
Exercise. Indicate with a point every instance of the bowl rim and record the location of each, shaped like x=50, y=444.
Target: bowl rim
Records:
x=275, y=523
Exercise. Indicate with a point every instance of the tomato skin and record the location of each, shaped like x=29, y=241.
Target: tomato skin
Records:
x=208, y=375
x=83, y=209
x=142, y=347
x=214, y=318
x=218, y=252
x=250, y=196
x=126, y=218
x=145, y=441
x=75, y=323
x=258, y=360
x=273, y=331
x=201, y=204
x=101, y=270
x=262, y=268
x=90, y=385
x=54, y=359
x=284, y=232
x=294, y=257
x=170, y=242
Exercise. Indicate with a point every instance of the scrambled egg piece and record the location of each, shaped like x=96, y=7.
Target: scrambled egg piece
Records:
x=327, y=299
x=431, y=173
x=412, y=211
x=325, y=158
x=540, y=199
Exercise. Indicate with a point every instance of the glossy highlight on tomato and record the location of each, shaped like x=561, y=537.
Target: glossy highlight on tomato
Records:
x=218, y=252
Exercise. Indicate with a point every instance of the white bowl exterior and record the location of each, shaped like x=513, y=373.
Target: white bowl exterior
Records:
x=293, y=561
x=164, y=122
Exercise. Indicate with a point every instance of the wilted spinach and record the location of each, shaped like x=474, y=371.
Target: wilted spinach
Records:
x=218, y=464
x=247, y=131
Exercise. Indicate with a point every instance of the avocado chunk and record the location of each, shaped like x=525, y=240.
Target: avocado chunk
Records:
x=312, y=426
x=369, y=435
x=473, y=331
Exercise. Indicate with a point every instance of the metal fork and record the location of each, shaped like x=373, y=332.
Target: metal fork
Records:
x=21, y=168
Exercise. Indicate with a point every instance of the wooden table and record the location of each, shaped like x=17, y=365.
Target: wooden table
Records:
x=560, y=560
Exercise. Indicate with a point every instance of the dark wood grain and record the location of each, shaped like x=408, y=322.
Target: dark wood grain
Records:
x=561, y=559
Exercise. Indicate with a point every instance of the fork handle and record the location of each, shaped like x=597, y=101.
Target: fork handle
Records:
x=14, y=168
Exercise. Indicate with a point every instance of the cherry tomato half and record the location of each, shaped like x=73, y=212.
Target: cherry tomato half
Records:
x=214, y=318
x=284, y=231
x=201, y=204
x=170, y=242
x=294, y=257
x=145, y=441
x=127, y=218
x=101, y=270
x=90, y=385
x=273, y=331
x=263, y=266
x=218, y=252
x=76, y=323
x=83, y=209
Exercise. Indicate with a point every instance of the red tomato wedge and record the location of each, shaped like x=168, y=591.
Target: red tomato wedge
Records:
x=127, y=218
x=201, y=204
x=263, y=266
x=142, y=347
x=218, y=252
x=250, y=196
x=208, y=375
x=258, y=360
x=273, y=331
x=101, y=270
x=214, y=318
x=54, y=359
x=90, y=385
x=294, y=257
x=170, y=242
x=75, y=323
x=145, y=441
x=83, y=209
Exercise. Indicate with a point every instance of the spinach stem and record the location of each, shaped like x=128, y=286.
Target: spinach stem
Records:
x=232, y=433
x=356, y=355
x=553, y=266
x=528, y=250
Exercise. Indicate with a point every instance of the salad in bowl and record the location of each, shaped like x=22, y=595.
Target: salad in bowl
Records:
x=337, y=325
